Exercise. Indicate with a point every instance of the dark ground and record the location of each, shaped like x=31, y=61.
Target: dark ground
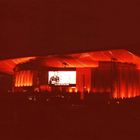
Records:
x=23, y=120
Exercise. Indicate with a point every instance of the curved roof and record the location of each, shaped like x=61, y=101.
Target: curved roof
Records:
x=87, y=59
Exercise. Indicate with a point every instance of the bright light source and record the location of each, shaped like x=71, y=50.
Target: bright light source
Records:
x=62, y=77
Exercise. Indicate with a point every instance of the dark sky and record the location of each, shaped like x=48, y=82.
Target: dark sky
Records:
x=52, y=26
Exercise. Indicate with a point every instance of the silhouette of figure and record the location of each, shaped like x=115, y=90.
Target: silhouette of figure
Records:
x=54, y=79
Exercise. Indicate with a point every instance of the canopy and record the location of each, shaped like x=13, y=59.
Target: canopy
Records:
x=86, y=59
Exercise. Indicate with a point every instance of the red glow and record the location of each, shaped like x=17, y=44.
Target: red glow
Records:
x=83, y=79
x=45, y=88
x=123, y=83
x=72, y=90
x=89, y=59
x=122, y=80
x=23, y=78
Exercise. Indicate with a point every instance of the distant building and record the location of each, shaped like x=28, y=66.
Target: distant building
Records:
x=113, y=72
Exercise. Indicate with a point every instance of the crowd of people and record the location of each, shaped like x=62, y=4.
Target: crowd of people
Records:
x=62, y=114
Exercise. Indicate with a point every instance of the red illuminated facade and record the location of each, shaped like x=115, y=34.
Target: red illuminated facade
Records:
x=113, y=72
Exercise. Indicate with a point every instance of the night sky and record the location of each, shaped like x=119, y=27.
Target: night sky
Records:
x=41, y=27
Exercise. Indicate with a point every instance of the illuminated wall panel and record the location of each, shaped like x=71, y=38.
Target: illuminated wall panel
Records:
x=120, y=80
x=83, y=79
x=23, y=78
